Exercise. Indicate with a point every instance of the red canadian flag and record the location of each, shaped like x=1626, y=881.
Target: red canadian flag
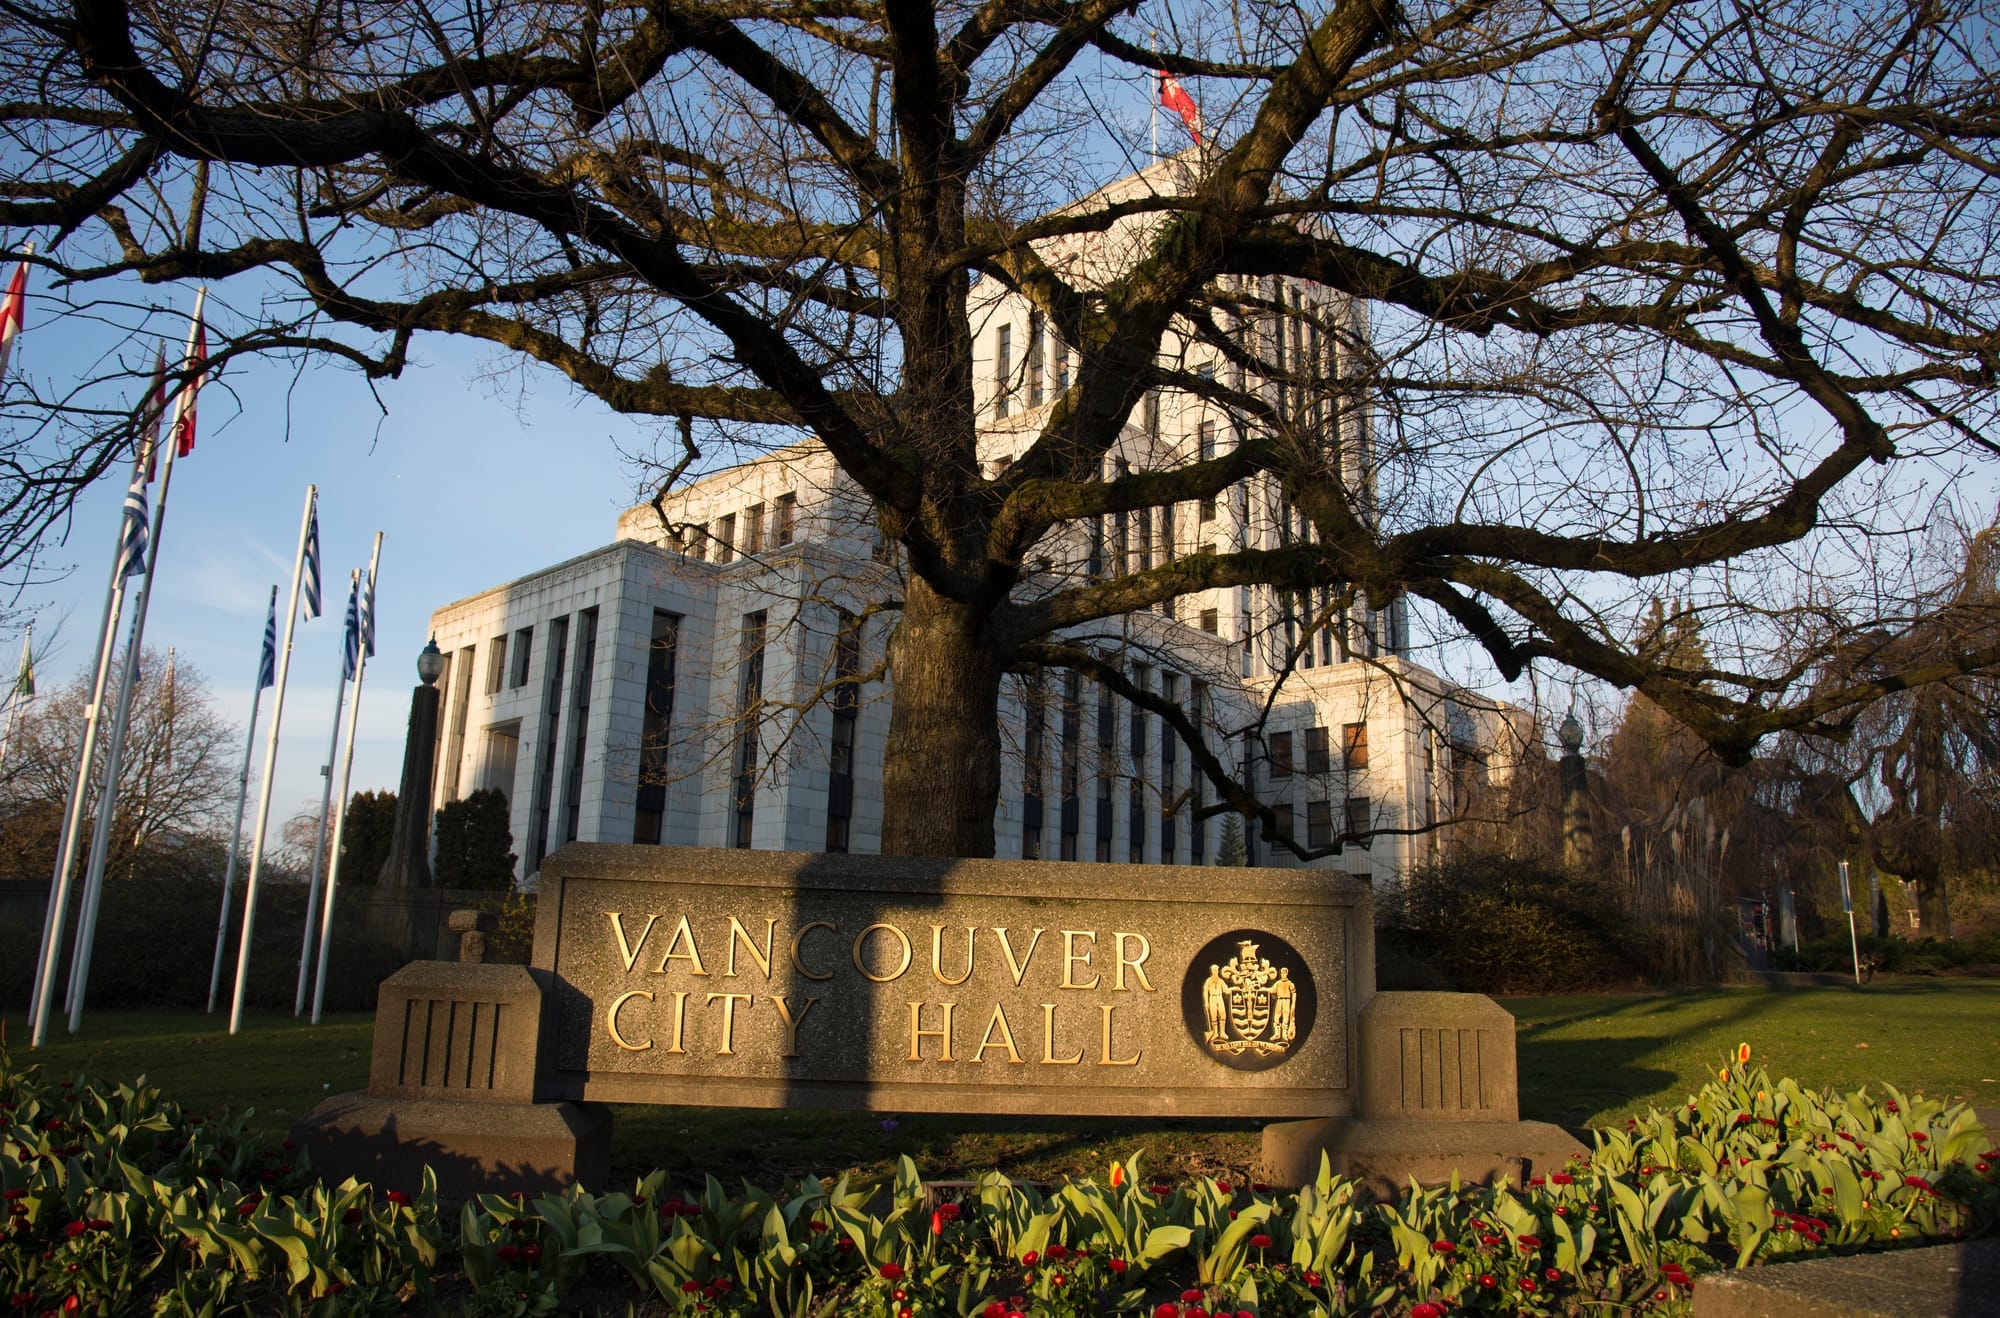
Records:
x=12, y=314
x=184, y=421
x=1175, y=97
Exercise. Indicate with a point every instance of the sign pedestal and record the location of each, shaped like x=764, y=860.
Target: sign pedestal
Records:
x=452, y=1084
x=1438, y=1096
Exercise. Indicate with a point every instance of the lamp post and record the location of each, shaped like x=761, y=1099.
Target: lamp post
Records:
x=1579, y=843
x=409, y=863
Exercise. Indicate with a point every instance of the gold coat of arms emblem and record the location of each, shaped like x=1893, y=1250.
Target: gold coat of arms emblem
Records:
x=1250, y=1006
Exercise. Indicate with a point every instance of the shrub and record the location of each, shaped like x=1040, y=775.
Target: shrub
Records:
x=125, y=1204
x=1897, y=956
x=474, y=845
x=1499, y=924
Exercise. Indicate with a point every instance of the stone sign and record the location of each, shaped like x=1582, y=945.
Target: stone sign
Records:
x=781, y=979
x=775, y=979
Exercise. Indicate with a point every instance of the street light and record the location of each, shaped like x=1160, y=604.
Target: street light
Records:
x=1570, y=734
x=430, y=663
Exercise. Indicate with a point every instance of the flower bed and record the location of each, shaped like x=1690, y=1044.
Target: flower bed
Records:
x=120, y=1202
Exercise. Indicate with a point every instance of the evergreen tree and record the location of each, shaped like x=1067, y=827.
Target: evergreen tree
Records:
x=364, y=839
x=474, y=846
x=1232, y=851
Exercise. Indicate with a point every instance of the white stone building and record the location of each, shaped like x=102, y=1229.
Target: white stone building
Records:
x=606, y=696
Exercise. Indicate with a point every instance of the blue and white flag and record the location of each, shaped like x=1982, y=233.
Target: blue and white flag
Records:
x=267, y=667
x=132, y=539
x=312, y=565
x=368, y=619
x=350, y=650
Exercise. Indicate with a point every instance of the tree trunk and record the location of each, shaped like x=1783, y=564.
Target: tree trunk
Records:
x=1933, y=906
x=941, y=767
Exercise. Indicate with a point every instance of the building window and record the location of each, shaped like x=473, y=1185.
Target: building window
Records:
x=1107, y=766
x=1170, y=745
x=1071, y=770
x=1207, y=513
x=1205, y=440
x=655, y=724
x=1034, y=713
x=1318, y=751
x=545, y=777
x=1197, y=822
x=1319, y=824
x=1281, y=755
x=749, y=699
x=1003, y=368
x=1135, y=815
x=523, y=653
x=1354, y=745
x=1282, y=818
x=1034, y=354
x=1360, y=819
x=586, y=662
x=1061, y=363
x=1093, y=566
x=753, y=529
x=496, y=665
x=725, y=539
x=784, y=524
x=1149, y=414
x=846, y=702
x=1211, y=622
x=501, y=758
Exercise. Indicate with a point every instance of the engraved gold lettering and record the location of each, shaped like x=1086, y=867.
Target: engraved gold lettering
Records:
x=1105, y=1058
x=693, y=954
x=937, y=955
x=729, y=1001
x=918, y=1033
x=1049, y=1057
x=791, y=1021
x=1006, y=1039
x=861, y=939
x=1071, y=960
x=611, y=1021
x=629, y=953
x=799, y=938
x=738, y=934
x=680, y=1021
x=1020, y=967
x=1136, y=965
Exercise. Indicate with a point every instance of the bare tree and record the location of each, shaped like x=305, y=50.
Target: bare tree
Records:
x=176, y=777
x=1630, y=295
x=1913, y=781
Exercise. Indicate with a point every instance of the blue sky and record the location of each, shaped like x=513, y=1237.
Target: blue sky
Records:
x=473, y=483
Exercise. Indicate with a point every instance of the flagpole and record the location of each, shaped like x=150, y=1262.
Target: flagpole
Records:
x=236, y=833
x=59, y=887
x=346, y=775
x=114, y=753
x=270, y=770
x=319, y=839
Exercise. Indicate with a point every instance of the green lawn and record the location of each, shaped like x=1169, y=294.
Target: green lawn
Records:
x=278, y=1065
x=1591, y=1060
x=1584, y=1060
